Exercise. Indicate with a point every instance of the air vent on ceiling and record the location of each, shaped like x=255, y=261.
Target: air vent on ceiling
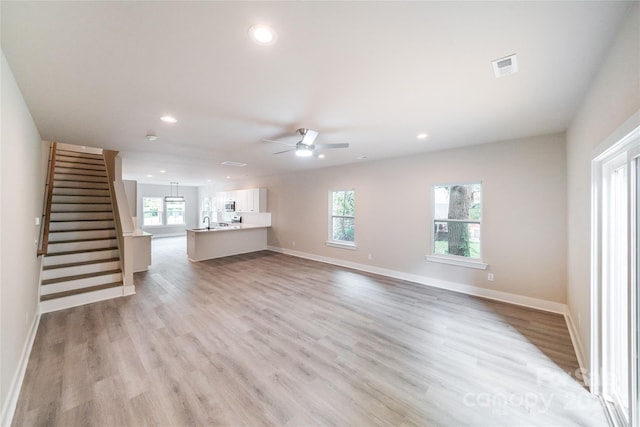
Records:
x=236, y=164
x=505, y=66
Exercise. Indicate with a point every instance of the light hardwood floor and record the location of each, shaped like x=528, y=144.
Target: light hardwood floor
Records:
x=268, y=339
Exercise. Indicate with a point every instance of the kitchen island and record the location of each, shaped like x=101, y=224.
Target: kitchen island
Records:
x=218, y=242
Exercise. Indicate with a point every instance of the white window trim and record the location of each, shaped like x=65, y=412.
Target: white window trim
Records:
x=456, y=260
x=622, y=140
x=338, y=243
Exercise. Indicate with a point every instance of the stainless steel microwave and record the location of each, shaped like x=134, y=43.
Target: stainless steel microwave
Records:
x=230, y=206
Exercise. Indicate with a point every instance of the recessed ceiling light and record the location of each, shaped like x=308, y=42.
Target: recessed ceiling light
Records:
x=262, y=34
x=208, y=180
x=321, y=156
x=228, y=177
x=169, y=119
x=149, y=176
x=422, y=136
x=151, y=137
x=361, y=157
x=162, y=171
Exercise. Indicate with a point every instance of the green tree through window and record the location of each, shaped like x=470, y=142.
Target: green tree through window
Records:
x=342, y=221
x=457, y=220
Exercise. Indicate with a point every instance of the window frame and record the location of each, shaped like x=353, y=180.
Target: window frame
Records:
x=330, y=240
x=457, y=260
x=161, y=212
x=184, y=214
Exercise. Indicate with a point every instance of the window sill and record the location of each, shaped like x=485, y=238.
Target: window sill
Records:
x=460, y=262
x=343, y=245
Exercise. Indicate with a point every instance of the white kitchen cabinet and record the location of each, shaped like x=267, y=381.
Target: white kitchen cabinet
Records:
x=249, y=200
x=256, y=200
x=241, y=197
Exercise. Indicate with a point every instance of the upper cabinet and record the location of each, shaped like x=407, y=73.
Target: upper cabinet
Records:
x=256, y=200
x=250, y=200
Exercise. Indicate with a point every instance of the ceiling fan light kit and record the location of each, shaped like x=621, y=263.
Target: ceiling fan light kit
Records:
x=306, y=147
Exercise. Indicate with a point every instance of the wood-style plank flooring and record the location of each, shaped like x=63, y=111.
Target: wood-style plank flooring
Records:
x=269, y=339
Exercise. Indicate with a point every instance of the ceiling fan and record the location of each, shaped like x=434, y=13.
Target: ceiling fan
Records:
x=305, y=147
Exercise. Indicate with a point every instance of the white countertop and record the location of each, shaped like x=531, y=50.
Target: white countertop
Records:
x=233, y=227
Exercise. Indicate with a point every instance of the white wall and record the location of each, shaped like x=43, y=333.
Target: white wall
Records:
x=524, y=217
x=191, y=207
x=613, y=97
x=21, y=193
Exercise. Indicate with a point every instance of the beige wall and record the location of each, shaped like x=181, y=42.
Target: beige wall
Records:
x=613, y=97
x=524, y=196
x=21, y=192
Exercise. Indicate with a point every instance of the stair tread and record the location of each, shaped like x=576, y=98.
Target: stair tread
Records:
x=77, y=264
x=82, y=229
x=82, y=240
x=79, y=220
x=79, y=276
x=112, y=248
x=80, y=203
x=80, y=291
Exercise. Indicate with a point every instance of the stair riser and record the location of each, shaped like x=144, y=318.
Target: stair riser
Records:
x=81, y=235
x=81, y=246
x=79, y=155
x=57, y=198
x=76, y=184
x=80, y=283
x=80, y=299
x=79, y=269
x=81, y=216
x=78, y=177
x=80, y=257
x=79, y=207
x=80, y=225
x=80, y=171
x=76, y=164
x=80, y=192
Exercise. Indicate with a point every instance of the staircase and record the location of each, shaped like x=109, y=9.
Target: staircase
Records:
x=82, y=260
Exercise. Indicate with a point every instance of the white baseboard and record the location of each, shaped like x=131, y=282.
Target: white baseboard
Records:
x=578, y=347
x=11, y=402
x=539, y=304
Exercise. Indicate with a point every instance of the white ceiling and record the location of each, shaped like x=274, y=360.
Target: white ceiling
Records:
x=374, y=74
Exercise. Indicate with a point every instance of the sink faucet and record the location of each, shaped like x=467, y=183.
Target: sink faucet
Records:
x=206, y=218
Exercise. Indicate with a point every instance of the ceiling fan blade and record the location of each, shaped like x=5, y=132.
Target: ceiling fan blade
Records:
x=278, y=142
x=330, y=146
x=309, y=137
x=285, y=151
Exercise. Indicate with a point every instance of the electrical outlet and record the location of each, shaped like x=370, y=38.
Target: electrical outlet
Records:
x=293, y=244
x=37, y=220
x=369, y=256
x=490, y=277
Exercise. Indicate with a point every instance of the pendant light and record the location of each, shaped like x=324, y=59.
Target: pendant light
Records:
x=172, y=198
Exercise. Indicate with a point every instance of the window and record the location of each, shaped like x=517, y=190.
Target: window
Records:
x=175, y=213
x=152, y=208
x=342, y=218
x=157, y=212
x=457, y=221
